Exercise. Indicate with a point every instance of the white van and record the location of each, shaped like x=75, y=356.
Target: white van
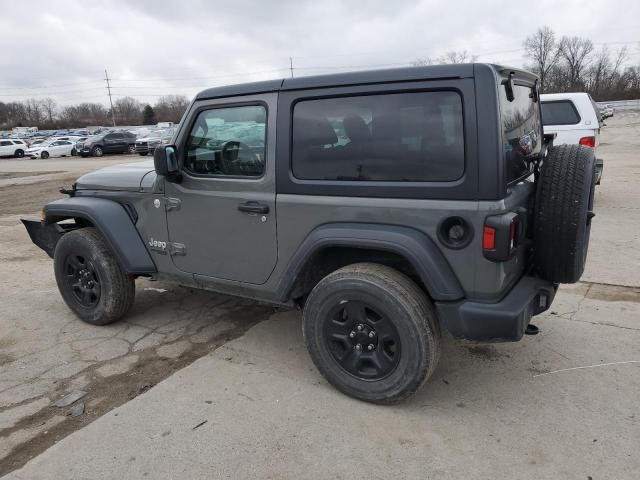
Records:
x=575, y=119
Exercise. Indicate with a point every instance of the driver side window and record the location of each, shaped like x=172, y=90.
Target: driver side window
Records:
x=229, y=141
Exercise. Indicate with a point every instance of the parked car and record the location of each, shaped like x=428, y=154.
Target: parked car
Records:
x=36, y=141
x=574, y=118
x=110, y=142
x=606, y=112
x=372, y=200
x=12, y=148
x=71, y=138
x=51, y=148
x=148, y=144
x=79, y=142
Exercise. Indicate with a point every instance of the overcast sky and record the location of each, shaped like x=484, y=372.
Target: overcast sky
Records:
x=156, y=47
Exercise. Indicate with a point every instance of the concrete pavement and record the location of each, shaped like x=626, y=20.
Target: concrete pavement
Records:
x=256, y=408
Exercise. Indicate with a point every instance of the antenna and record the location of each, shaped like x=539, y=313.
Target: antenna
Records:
x=291, y=65
x=106, y=77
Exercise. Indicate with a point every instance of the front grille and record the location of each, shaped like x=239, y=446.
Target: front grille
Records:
x=142, y=147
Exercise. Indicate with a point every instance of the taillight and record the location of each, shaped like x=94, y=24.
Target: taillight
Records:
x=588, y=141
x=500, y=236
x=489, y=238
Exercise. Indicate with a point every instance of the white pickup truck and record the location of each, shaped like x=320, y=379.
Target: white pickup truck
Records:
x=575, y=119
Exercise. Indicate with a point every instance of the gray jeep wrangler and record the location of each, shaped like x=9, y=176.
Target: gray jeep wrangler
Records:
x=388, y=205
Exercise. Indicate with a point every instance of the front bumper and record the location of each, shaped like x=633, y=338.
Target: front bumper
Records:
x=504, y=321
x=142, y=147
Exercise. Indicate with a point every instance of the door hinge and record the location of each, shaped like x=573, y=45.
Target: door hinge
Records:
x=172, y=204
x=176, y=249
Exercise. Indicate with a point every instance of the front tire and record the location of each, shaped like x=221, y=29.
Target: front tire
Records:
x=372, y=333
x=97, y=152
x=131, y=149
x=19, y=153
x=90, y=280
x=44, y=155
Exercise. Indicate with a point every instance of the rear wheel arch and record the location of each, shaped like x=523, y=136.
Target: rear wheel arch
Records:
x=328, y=259
x=334, y=246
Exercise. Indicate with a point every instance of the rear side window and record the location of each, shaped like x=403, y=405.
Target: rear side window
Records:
x=521, y=131
x=561, y=112
x=412, y=137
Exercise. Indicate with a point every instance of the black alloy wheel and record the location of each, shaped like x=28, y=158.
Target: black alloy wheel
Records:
x=362, y=340
x=82, y=280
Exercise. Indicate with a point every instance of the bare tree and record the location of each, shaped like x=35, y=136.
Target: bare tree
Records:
x=449, y=57
x=128, y=111
x=49, y=106
x=422, y=62
x=542, y=49
x=34, y=113
x=576, y=55
x=83, y=115
x=457, y=57
x=170, y=108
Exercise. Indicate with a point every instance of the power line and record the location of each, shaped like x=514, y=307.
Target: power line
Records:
x=50, y=86
x=49, y=93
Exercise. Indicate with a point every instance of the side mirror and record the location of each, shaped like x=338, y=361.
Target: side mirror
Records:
x=165, y=161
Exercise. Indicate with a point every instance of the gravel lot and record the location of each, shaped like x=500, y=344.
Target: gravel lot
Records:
x=489, y=410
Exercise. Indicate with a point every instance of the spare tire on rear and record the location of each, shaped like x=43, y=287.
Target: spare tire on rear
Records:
x=563, y=213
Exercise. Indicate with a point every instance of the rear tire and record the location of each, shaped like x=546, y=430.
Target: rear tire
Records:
x=131, y=149
x=92, y=283
x=392, y=320
x=563, y=213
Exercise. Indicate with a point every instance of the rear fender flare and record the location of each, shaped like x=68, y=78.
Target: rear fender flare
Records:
x=415, y=246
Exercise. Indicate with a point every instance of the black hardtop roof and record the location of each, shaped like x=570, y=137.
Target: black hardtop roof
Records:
x=406, y=74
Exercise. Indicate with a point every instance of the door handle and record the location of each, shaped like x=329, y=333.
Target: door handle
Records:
x=253, y=207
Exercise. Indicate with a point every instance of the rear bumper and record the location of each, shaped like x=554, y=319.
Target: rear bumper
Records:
x=504, y=321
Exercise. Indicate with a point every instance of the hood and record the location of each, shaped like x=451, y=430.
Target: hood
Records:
x=119, y=177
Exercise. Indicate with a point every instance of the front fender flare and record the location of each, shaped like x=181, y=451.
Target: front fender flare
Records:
x=114, y=224
x=417, y=247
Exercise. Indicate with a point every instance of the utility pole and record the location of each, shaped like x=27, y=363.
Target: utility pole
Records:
x=291, y=65
x=106, y=77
